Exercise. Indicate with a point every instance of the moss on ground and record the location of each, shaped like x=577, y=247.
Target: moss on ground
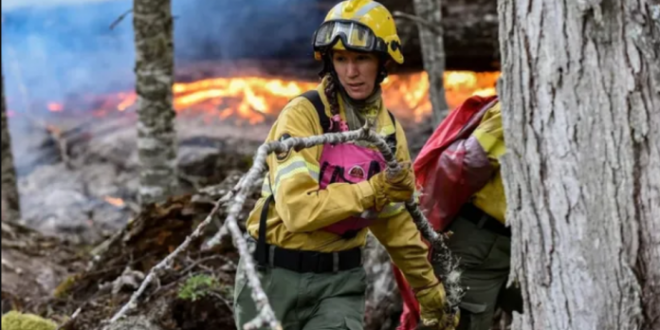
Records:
x=18, y=321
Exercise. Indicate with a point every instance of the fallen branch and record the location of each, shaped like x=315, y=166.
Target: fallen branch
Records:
x=221, y=298
x=203, y=260
x=434, y=28
x=224, y=231
x=241, y=190
x=164, y=264
x=70, y=321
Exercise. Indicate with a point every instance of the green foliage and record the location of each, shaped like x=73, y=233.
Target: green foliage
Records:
x=18, y=321
x=198, y=286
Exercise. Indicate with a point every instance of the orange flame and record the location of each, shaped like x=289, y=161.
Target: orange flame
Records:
x=114, y=201
x=55, y=107
x=254, y=98
x=127, y=99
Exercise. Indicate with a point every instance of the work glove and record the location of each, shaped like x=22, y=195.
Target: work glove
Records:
x=398, y=188
x=432, y=310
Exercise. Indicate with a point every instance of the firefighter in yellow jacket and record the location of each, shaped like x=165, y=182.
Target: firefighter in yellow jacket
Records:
x=318, y=204
x=460, y=174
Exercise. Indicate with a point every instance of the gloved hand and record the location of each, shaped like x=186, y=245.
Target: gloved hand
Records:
x=432, y=309
x=398, y=188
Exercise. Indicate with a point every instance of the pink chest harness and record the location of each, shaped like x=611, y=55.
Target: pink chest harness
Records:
x=346, y=163
x=339, y=163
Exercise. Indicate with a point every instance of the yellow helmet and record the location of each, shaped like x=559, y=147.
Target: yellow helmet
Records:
x=360, y=25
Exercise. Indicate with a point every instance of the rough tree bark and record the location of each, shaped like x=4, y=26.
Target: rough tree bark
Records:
x=581, y=99
x=433, y=54
x=154, y=65
x=11, y=209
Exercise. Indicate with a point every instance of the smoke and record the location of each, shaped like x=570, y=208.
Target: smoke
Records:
x=13, y=4
x=54, y=50
x=229, y=29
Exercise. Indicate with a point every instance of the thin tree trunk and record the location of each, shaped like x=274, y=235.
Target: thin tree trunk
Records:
x=433, y=54
x=581, y=109
x=11, y=209
x=152, y=22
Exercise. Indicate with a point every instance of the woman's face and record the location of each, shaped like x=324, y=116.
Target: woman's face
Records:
x=356, y=71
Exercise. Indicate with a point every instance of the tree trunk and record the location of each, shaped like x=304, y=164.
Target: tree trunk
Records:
x=433, y=54
x=152, y=22
x=11, y=209
x=581, y=97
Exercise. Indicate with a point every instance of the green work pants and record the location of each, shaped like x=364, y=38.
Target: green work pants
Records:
x=305, y=301
x=485, y=260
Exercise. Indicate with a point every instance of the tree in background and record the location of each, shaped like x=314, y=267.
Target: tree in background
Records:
x=433, y=54
x=11, y=208
x=154, y=66
x=580, y=95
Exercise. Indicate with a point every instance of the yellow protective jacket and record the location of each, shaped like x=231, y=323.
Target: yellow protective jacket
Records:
x=490, y=198
x=301, y=209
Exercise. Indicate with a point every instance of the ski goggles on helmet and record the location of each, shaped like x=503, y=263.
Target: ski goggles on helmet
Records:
x=354, y=36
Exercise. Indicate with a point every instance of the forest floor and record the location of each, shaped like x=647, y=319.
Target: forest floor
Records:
x=84, y=246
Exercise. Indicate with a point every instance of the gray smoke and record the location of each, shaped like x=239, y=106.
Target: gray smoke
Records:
x=65, y=48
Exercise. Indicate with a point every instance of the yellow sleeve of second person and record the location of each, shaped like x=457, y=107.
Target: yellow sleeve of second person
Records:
x=490, y=133
x=302, y=206
x=490, y=198
x=401, y=238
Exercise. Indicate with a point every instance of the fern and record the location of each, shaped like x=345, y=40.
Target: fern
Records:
x=197, y=287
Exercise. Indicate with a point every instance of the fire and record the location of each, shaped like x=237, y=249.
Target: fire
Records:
x=127, y=99
x=118, y=202
x=408, y=95
x=55, y=107
x=249, y=98
x=254, y=99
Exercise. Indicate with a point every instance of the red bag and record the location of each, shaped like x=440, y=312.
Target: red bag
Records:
x=434, y=161
x=428, y=166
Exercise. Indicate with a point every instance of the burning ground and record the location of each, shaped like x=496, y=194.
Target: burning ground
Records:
x=80, y=161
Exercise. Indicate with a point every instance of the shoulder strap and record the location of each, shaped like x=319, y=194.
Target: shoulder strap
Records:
x=314, y=97
x=262, y=246
x=391, y=139
x=392, y=117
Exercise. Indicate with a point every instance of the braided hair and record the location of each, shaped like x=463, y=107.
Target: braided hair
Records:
x=331, y=93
